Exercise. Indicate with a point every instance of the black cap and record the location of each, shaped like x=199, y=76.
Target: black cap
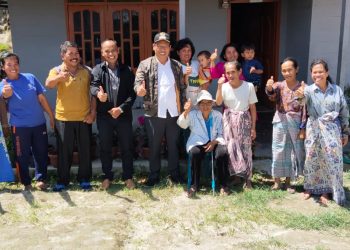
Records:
x=162, y=36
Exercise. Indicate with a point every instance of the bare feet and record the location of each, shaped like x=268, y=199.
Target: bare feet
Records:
x=290, y=189
x=191, y=192
x=105, y=184
x=224, y=191
x=248, y=185
x=41, y=185
x=276, y=186
x=307, y=195
x=129, y=183
x=324, y=199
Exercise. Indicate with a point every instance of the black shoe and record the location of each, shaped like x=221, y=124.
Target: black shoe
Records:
x=151, y=182
x=177, y=180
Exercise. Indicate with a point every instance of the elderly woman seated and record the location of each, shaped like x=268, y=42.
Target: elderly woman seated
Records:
x=206, y=137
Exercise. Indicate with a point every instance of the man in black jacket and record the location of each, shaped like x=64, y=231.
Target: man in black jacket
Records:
x=112, y=84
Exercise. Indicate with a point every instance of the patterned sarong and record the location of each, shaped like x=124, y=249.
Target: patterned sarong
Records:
x=237, y=128
x=288, y=153
x=324, y=157
x=6, y=174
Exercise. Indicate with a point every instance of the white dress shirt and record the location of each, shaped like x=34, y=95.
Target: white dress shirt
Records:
x=166, y=91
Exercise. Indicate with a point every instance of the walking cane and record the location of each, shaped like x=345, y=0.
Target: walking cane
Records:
x=212, y=174
x=189, y=177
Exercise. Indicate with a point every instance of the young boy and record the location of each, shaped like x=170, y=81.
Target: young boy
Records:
x=251, y=68
x=204, y=69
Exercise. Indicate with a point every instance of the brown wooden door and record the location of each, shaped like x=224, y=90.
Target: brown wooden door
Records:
x=132, y=25
x=258, y=23
x=86, y=26
x=126, y=26
x=160, y=18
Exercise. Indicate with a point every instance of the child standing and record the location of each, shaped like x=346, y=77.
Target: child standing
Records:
x=251, y=68
x=204, y=69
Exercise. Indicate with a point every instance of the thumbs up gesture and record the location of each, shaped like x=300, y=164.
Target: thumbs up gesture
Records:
x=214, y=55
x=7, y=90
x=187, y=107
x=141, y=90
x=188, y=70
x=269, y=84
x=101, y=95
x=222, y=80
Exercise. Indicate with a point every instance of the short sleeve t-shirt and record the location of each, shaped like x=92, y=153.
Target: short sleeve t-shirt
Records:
x=24, y=106
x=193, y=81
x=240, y=98
x=73, y=95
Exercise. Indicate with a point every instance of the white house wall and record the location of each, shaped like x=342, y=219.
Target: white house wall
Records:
x=206, y=26
x=295, y=33
x=325, y=33
x=345, y=62
x=38, y=28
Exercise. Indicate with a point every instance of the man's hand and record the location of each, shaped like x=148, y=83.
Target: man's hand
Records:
x=269, y=84
x=63, y=75
x=101, y=95
x=141, y=90
x=115, y=112
x=210, y=146
x=187, y=107
x=7, y=90
x=90, y=118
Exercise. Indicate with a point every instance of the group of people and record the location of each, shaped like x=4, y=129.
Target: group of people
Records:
x=175, y=95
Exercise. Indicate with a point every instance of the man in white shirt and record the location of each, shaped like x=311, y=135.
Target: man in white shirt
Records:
x=159, y=80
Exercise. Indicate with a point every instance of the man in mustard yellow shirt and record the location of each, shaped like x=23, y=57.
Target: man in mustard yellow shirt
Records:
x=74, y=115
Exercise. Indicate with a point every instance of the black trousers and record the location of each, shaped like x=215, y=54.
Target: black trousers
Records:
x=28, y=141
x=67, y=133
x=123, y=126
x=156, y=128
x=220, y=154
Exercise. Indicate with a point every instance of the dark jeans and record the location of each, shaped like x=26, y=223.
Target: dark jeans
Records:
x=123, y=126
x=156, y=128
x=28, y=141
x=66, y=133
x=220, y=155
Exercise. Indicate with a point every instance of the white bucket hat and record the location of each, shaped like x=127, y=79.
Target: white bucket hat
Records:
x=204, y=95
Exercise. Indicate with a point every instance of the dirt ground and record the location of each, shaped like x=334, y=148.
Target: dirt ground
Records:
x=159, y=218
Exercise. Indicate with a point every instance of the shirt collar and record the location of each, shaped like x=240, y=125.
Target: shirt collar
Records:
x=164, y=65
x=330, y=88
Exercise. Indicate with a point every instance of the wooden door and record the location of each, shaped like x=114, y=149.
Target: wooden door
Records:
x=258, y=24
x=126, y=26
x=86, y=26
x=160, y=18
